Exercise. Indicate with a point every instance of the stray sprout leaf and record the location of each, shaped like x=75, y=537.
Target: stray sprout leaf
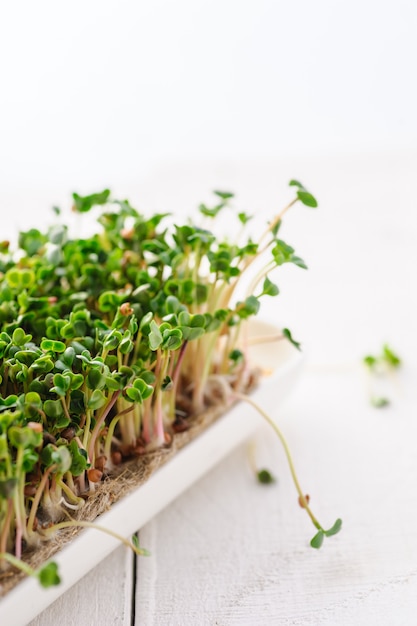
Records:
x=307, y=199
x=379, y=402
x=244, y=218
x=390, y=357
x=142, y=551
x=370, y=361
x=317, y=540
x=269, y=288
x=237, y=356
x=334, y=529
x=83, y=204
x=265, y=477
x=298, y=261
x=204, y=210
x=287, y=334
x=224, y=195
x=48, y=575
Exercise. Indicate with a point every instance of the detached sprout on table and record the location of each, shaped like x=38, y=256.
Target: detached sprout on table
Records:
x=381, y=367
x=113, y=343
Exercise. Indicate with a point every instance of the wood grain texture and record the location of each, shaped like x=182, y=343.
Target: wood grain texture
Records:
x=231, y=552
x=104, y=596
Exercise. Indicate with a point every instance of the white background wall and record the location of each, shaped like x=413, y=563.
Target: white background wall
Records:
x=96, y=92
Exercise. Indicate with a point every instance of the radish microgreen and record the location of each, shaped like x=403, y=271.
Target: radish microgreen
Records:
x=265, y=477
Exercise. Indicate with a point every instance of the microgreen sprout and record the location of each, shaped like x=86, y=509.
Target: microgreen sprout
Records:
x=303, y=500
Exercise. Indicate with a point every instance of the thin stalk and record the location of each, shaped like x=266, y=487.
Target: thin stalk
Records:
x=103, y=529
x=19, y=504
x=259, y=276
x=254, y=341
x=210, y=342
x=111, y=429
x=127, y=425
x=302, y=498
x=137, y=418
x=55, y=489
x=176, y=373
x=87, y=427
x=18, y=563
x=158, y=410
x=137, y=346
x=6, y=526
x=99, y=424
x=146, y=419
x=277, y=219
x=65, y=407
x=69, y=493
x=70, y=482
x=37, y=498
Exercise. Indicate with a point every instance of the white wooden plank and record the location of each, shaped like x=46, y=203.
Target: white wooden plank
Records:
x=104, y=596
x=231, y=552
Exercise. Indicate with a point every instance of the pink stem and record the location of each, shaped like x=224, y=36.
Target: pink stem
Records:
x=99, y=423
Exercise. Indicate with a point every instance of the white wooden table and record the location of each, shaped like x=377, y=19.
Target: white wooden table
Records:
x=232, y=552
